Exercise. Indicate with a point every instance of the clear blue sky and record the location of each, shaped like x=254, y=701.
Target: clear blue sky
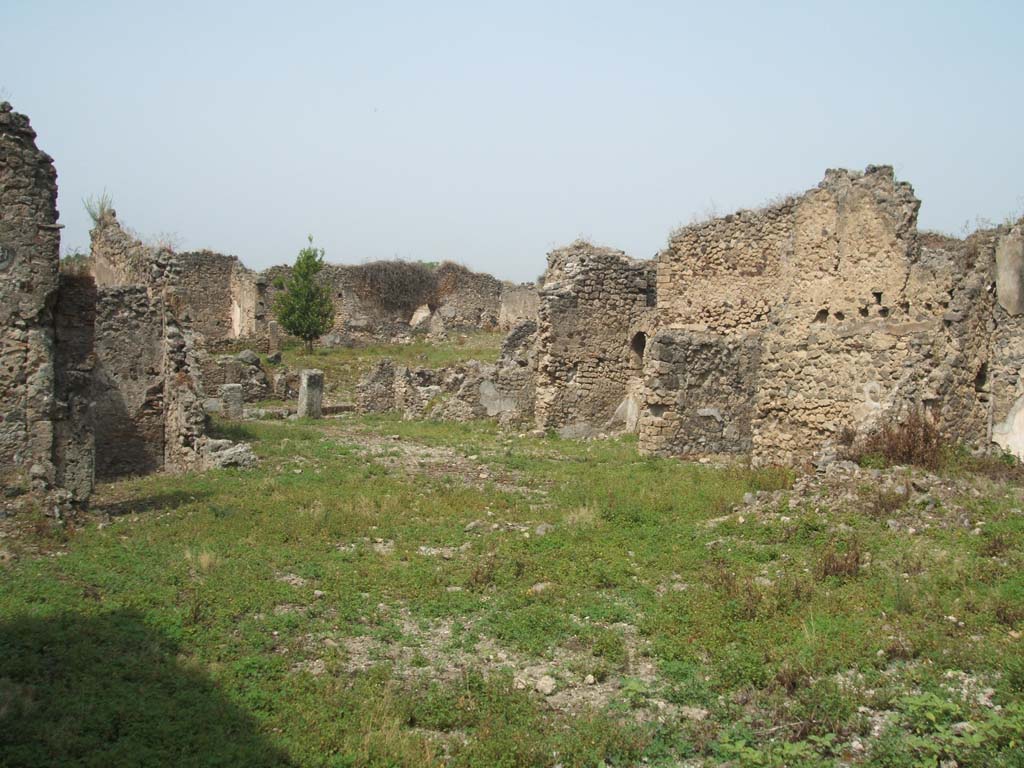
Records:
x=489, y=133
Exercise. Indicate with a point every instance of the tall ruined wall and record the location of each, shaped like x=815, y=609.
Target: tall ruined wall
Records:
x=850, y=342
x=593, y=304
x=186, y=445
x=855, y=317
x=1003, y=250
x=29, y=257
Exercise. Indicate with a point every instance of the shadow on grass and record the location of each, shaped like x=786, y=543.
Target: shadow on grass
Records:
x=108, y=690
x=153, y=503
x=231, y=430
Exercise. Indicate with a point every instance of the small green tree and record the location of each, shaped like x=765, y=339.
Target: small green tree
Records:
x=304, y=307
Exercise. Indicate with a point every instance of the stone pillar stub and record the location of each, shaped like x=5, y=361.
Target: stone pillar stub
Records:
x=1010, y=273
x=311, y=393
x=273, y=337
x=232, y=397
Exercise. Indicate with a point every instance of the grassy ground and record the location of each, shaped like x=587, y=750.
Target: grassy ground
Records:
x=396, y=593
x=343, y=366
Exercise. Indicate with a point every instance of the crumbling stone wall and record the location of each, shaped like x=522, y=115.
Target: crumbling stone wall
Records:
x=129, y=383
x=29, y=256
x=699, y=393
x=74, y=363
x=467, y=299
x=1002, y=380
x=221, y=299
x=93, y=380
x=594, y=308
x=776, y=331
x=462, y=392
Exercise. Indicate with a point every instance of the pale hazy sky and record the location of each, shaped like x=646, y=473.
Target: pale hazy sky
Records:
x=489, y=133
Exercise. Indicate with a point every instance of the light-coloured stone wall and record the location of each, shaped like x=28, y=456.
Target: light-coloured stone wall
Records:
x=519, y=303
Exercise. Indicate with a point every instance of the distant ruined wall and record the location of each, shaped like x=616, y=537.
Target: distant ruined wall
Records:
x=221, y=299
x=206, y=288
x=29, y=257
x=467, y=299
x=594, y=307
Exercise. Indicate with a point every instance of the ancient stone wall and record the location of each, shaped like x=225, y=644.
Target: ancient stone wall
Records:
x=595, y=306
x=470, y=390
x=519, y=303
x=129, y=383
x=29, y=255
x=726, y=274
x=1002, y=378
x=74, y=363
x=94, y=381
x=699, y=392
x=221, y=299
x=467, y=299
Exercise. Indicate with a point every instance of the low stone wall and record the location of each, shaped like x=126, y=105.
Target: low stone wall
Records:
x=463, y=392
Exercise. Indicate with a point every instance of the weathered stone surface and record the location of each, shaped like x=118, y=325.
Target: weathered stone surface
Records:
x=1010, y=272
x=232, y=400
x=29, y=247
x=311, y=394
x=224, y=454
x=594, y=309
x=777, y=330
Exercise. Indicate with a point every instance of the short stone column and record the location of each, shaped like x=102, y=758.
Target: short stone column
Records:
x=311, y=393
x=233, y=398
x=273, y=337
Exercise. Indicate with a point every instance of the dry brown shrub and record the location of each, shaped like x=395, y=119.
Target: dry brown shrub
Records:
x=842, y=561
x=914, y=441
x=396, y=285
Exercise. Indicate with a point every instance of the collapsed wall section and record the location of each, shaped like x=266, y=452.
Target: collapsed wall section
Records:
x=594, y=306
